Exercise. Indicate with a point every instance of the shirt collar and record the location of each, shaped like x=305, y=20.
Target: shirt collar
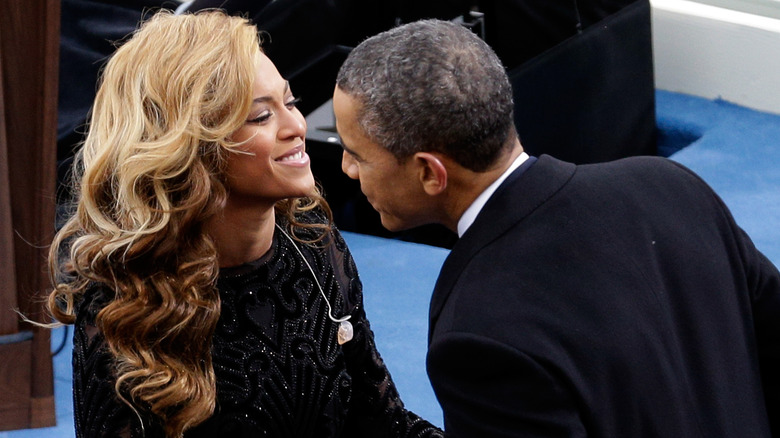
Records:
x=471, y=213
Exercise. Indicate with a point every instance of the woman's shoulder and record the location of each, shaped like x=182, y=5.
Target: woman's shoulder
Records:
x=314, y=216
x=96, y=296
x=312, y=225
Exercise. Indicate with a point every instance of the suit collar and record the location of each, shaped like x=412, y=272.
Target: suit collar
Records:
x=527, y=188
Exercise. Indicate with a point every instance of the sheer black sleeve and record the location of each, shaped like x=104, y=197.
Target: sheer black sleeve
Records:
x=376, y=409
x=98, y=410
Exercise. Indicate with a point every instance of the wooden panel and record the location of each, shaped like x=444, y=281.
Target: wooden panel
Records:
x=29, y=47
x=15, y=385
x=8, y=319
x=29, y=34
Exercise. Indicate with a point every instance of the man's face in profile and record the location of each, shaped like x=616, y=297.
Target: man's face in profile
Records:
x=391, y=187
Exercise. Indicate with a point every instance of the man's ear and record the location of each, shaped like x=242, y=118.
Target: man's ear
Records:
x=432, y=172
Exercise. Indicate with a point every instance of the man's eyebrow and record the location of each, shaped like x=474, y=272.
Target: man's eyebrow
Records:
x=262, y=99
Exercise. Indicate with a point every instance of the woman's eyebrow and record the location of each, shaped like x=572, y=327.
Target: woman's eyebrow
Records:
x=262, y=99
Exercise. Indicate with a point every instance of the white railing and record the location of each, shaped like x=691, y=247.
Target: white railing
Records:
x=715, y=52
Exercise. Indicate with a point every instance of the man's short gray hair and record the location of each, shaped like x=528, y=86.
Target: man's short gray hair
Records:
x=431, y=86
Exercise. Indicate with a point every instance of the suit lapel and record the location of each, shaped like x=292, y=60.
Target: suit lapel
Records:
x=527, y=188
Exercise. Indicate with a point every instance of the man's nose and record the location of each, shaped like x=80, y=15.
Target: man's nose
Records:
x=348, y=165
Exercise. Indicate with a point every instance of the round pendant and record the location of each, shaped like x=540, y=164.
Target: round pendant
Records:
x=345, y=332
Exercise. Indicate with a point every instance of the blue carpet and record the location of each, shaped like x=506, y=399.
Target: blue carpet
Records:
x=735, y=149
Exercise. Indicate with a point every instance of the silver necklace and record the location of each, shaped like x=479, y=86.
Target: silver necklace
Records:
x=345, y=327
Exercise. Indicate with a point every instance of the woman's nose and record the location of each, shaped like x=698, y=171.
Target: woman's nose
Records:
x=293, y=124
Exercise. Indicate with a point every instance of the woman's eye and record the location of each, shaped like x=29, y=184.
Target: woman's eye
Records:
x=293, y=102
x=265, y=115
x=261, y=118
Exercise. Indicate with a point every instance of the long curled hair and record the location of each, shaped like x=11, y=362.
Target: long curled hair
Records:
x=150, y=173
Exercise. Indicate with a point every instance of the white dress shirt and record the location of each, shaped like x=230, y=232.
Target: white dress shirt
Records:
x=471, y=213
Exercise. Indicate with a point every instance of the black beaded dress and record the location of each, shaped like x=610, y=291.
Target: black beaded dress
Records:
x=279, y=369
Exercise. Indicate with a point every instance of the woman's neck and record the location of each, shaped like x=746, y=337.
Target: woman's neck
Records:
x=241, y=235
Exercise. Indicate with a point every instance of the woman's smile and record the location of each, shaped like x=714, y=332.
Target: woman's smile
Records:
x=296, y=157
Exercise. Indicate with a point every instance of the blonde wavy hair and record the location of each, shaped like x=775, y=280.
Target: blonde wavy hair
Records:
x=150, y=173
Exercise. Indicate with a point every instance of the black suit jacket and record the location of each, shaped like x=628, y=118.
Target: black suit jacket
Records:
x=606, y=300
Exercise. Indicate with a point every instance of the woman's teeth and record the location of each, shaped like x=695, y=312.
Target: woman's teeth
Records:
x=293, y=157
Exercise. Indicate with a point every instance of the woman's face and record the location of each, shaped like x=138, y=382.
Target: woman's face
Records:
x=271, y=164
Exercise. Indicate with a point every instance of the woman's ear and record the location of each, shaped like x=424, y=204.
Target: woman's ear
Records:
x=432, y=172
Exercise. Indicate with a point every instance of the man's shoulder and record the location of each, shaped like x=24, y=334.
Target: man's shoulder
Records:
x=644, y=164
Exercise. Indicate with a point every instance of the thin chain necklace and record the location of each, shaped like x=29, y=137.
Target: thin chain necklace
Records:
x=345, y=327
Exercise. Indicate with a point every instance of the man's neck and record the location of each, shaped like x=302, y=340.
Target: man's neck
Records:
x=466, y=185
